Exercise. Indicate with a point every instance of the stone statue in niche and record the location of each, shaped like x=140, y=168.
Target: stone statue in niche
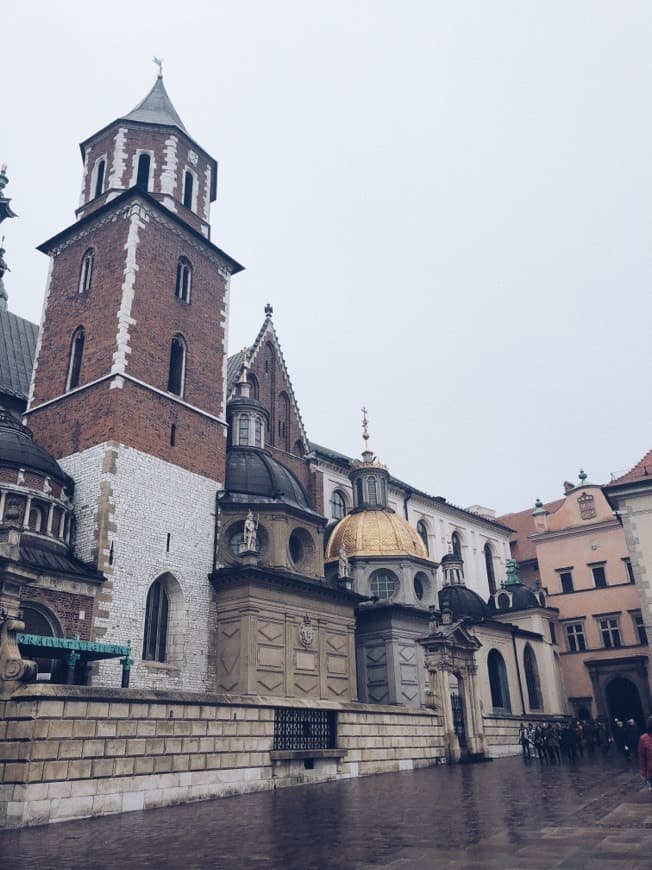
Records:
x=343, y=563
x=250, y=533
x=47, y=486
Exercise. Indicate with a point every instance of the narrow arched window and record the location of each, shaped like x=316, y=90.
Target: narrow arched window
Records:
x=253, y=385
x=184, y=280
x=188, y=184
x=372, y=491
x=156, y=623
x=36, y=519
x=243, y=430
x=99, y=177
x=532, y=678
x=258, y=431
x=498, y=681
x=284, y=420
x=358, y=493
x=456, y=544
x=422, y=531
x=76, y=356
x=177, y=372
x=338, y=505
x=86, y=271
x=489, y=563
x=142, y=178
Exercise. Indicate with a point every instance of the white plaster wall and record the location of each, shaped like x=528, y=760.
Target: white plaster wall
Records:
x=151, y=498
x=441, y=524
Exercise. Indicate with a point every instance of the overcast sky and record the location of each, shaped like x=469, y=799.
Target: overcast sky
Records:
x=449, y=205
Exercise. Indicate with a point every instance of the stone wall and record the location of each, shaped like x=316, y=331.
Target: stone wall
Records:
x=71, y=752
x=501, y=732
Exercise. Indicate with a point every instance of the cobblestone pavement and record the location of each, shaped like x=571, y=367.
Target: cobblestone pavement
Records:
x=506, y=814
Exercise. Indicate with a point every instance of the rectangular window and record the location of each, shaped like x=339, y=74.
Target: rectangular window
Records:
x=553, y=633
x=599, y=576
x=566, y=579
x=610, y=631
x=575, y=636
x=639, y=628
x=630, y=570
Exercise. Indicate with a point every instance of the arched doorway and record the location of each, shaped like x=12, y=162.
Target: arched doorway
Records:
x=624, y=701
x=39, y=621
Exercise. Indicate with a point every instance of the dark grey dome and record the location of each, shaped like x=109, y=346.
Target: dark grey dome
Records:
x=522, y=598
x=462, y=602
x=253, y=472
x=18, y=448
x=451, y=557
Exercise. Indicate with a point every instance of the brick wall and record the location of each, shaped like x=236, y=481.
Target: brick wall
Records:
x=74, y=752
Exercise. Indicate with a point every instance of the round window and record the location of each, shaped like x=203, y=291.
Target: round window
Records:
x=296, y=548
x=301, y=548
x=383, y=584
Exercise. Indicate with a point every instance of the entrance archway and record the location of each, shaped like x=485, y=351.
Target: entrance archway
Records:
x=624, y=701
x=40, y=621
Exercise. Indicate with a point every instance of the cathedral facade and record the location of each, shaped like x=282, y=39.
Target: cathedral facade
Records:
x=162, y=499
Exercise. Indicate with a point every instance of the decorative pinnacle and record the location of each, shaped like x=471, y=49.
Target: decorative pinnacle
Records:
x=582, y=476
x=159, y=63
x=246, y=365
x=268, y=311
x=365, y=428
x=538, y=503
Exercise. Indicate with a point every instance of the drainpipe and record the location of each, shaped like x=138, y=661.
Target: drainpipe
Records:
x=216, y=532
x=518, y=672
x=405, y=503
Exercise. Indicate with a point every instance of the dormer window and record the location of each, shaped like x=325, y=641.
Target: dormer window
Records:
x=184, y=280
x=188, y=188
x=142, y=178
x=99, y=177
x=86, y=271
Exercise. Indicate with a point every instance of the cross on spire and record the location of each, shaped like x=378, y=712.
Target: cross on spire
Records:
x=159, y=63
x=365, y=429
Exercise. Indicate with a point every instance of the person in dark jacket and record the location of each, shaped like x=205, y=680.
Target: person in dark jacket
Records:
x=645, y=754
x=632, y=735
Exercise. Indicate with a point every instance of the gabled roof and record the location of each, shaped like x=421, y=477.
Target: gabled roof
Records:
x=642, y=471
x=234, y=364
x=522, y=522
x=17, y=346
x=156, y=108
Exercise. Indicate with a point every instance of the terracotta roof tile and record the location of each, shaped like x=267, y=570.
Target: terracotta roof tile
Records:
x=641, y=471
x=523, y=547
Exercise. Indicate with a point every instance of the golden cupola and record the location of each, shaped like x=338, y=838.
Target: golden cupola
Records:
x=374, y=533
x=372, y=528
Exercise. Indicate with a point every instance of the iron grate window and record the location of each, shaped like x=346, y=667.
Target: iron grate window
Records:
x=296, y=728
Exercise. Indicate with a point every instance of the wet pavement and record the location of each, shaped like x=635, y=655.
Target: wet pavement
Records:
x=504, y=814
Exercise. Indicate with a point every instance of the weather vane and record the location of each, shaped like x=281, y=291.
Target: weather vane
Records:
x=159, y=63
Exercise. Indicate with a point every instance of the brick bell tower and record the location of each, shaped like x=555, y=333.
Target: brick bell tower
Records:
x=128, y=388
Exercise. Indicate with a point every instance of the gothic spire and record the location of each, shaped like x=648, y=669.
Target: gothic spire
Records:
x=157, y=107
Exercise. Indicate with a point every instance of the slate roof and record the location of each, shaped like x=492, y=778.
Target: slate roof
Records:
x=17, y=346
x=56, y=561
x=522, y=522
x=641, y=471
x=156, y=108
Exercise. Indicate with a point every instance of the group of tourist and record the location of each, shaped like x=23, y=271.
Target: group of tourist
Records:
x=554, y=742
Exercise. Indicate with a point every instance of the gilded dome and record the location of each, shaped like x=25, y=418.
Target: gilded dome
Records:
x=375, y=533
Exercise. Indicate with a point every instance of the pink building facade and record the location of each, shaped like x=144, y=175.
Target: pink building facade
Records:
x=575, y=549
